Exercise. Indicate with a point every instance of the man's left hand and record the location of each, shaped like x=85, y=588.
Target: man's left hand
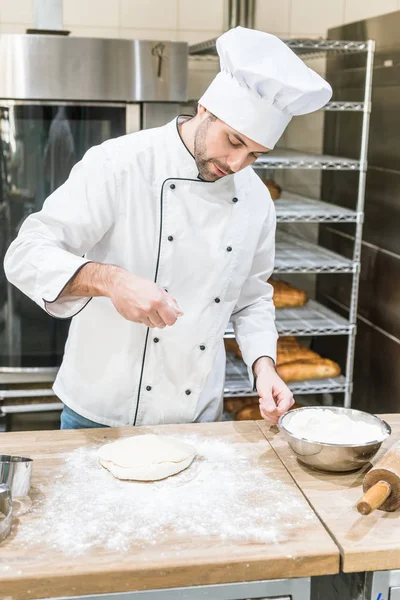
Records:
x=275, y=396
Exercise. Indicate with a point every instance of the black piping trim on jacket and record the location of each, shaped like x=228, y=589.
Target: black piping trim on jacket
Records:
x=189, y=118
x=156, y=273
x=60, y=293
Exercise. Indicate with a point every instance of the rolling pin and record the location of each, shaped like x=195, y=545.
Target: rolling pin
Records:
x=382, y=484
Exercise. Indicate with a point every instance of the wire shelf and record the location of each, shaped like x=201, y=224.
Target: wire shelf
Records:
x=345, y=106
x=293, y=208
x=301, y=46
x=293, y=159
x=237, y=382
x=294, y=255
x=23, y=393
x=311, y=319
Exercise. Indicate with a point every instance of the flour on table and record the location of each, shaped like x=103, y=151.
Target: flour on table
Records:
x=146, y=457
x=326, y=426
x=226, y=496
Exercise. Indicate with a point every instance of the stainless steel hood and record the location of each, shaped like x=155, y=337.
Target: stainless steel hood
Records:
x=51, y=67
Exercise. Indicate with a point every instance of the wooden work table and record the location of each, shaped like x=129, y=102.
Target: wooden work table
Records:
x=366, y=543
x=307, y=551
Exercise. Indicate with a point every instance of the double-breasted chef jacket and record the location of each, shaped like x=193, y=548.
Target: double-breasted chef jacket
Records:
x=137, y=202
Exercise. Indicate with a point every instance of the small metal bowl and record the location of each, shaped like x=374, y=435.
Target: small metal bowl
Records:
x=5, y=511
x=16, y=472
x=334, y=457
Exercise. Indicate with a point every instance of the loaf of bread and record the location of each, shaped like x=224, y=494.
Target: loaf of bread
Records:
x=288, y=340
x=294, y=362
x=287, y=296
x=296, y=353
x=288, y=350
x=313, y=368
x=274, y=189
x=249, y=413
x=234, y=404
x=252, y=412
x=231, y=345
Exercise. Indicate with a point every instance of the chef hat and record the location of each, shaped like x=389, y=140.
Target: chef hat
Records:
x=261, y=85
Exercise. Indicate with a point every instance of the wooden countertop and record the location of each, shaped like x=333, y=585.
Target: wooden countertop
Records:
x=366, y=543
x=308, y=550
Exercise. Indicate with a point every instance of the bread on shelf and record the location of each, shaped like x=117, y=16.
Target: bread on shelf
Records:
x=231, y=345
x=288, y=354
x=236, y=403
x=252, y=412
x=274, y=189
x=286, y=295
x=249, y=413
x=288, y=350
x=296, y=362
x=312, y=368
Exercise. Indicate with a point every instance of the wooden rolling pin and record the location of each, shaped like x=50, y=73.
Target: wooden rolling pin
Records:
x=382, y=484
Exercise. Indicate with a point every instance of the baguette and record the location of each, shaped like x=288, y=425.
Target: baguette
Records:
x=252, y=412
x=288, y=340
x=295, y=354
x=238, y=353
x=249, y=413
x=288, y=350
x=234, y=404
x=286, y=295
x=231, y=345
x=274, y=189
x=314, y=368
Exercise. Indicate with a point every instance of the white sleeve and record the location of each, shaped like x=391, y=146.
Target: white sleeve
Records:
x=254, y=314
x=50, y=247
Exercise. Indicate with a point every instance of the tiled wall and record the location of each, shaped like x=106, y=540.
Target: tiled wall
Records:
x=192, y=20
x=302, y=18
x=141, y=19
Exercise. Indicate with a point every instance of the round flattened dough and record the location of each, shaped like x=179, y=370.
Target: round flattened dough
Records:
x=146, y=457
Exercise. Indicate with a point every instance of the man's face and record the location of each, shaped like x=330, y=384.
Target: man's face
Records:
x=219, y=150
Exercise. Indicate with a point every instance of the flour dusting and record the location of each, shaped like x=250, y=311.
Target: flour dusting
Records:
x=223, y=495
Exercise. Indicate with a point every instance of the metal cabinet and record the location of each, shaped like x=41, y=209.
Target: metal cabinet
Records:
x=279, y=589
x=60, y=96
x=375, y=585
x=383, y=585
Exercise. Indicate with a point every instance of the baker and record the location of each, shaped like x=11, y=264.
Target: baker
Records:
x=158, y=239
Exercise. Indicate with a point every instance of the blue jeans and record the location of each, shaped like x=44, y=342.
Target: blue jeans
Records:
x=71, y=420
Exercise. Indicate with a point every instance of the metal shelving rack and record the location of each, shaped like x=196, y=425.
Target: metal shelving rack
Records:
x=295, y=255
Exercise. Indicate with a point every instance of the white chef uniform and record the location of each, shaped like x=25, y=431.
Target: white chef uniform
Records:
x=137, y=202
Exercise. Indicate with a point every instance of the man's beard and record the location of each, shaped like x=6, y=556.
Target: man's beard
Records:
x=204, y=164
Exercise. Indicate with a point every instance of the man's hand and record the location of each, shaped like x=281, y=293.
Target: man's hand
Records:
x=142, y=301
x=275, y=397
x=137, y=299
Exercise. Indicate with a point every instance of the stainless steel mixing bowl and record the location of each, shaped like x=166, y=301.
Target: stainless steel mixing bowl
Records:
x=334, y=457
x=16, y=471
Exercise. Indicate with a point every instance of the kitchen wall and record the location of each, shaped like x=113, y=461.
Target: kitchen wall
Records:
x=192, y=20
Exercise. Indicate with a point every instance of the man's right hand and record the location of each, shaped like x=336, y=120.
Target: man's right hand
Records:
x=139, y=300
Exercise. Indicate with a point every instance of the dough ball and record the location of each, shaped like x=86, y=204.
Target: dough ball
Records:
x=146, y=457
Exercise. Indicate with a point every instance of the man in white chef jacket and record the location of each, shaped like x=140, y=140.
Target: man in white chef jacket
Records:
x=158, y=239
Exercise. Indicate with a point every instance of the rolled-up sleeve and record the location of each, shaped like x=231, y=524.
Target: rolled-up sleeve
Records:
x=51, y=245
x=254, y=314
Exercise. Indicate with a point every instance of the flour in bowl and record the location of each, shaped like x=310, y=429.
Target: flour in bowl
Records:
x=327, y=426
